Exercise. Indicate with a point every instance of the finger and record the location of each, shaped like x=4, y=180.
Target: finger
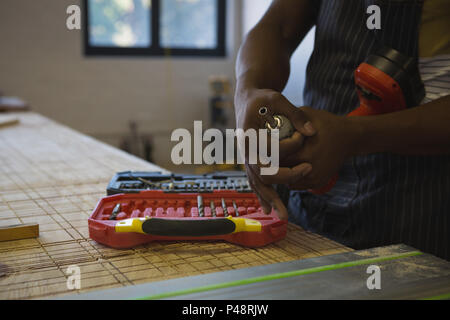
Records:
x=269, y=192
x=290, y=145
x=280, y=209
x=286, y=175
x=302, y=123
x=286, y=147
x=292, y=160
x=298, y=117
x=254, y=184
x=266, y=207
x=270, y=198
x=264, y=204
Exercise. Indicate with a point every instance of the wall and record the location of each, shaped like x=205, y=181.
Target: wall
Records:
x=42, y=61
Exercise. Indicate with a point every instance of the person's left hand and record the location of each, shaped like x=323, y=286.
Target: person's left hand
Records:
x=335, y=141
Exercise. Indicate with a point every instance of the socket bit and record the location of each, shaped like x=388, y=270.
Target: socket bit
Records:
x=235, y=209
x=115, y=212
x=201, y=211
x=213, y=209
x=224, y=207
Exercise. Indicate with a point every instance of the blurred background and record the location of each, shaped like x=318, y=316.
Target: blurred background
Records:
x=137, y=69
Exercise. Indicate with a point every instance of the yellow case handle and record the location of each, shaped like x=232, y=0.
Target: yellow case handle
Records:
x=245, y=225
x=241, y=225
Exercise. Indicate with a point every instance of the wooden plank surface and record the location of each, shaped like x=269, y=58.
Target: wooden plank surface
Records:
x=19, y=231
x=7, y=120
x=54, y=176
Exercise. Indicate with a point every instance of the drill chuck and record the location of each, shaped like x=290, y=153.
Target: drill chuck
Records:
x=282, y=123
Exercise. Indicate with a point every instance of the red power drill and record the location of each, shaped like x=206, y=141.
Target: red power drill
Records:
x=388, y=81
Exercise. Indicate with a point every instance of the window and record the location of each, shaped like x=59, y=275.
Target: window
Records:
x=155, y=27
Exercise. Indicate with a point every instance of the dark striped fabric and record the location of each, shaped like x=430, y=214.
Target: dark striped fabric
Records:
x=435, y=72
x=379, y=199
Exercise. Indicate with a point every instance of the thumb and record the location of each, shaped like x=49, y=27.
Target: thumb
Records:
x=302, y=123
x=298, y=118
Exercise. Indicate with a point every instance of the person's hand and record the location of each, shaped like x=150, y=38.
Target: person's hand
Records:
x=248, y=104
x=334, y=142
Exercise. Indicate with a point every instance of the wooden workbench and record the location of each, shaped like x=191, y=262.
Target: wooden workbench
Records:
x=54, y=176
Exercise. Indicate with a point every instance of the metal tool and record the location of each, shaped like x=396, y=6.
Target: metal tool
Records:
x=282, y=123
x=213, y=209
x=224, y=207
x=150, y=183
x=201, y=212
x=115, y=212
x=235, y=208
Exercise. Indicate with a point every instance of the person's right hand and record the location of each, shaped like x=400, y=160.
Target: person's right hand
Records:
x=247, y=105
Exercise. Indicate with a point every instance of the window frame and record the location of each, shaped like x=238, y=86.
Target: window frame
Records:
x=155, y=48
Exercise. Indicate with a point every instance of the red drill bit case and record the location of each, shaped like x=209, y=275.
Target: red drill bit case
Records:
x=154, y=215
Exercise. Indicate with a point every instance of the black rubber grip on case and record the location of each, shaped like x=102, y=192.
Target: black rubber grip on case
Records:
x=188, y=228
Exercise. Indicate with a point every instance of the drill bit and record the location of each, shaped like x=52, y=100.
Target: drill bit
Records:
x=235, y=209
x=201, y=212
x=213, y=209
x=224, y=206
x=115, y=212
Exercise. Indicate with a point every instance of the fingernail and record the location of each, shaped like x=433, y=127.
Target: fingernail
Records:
x=309, y=127
x=306, y=171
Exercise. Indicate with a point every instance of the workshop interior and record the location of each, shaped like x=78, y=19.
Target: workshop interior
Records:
x=93, y=94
